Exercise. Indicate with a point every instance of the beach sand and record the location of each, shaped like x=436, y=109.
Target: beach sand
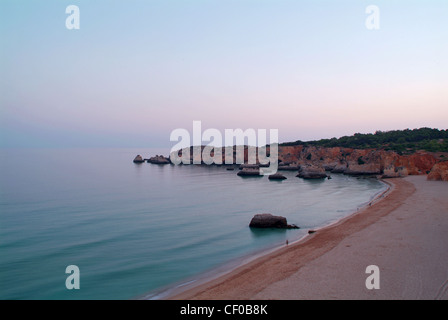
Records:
x=405, y=234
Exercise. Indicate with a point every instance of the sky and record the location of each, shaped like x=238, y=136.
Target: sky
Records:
x=137, y=70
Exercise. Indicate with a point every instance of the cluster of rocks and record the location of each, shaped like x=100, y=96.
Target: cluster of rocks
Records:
x=315, y=163
x=380, y=162
x=159, y=160
x=318, y=169
x=155, y=160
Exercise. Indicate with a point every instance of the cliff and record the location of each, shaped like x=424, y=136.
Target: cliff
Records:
x=387, y=163
x=358, y=161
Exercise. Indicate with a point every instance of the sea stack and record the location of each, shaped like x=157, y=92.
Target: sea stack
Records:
x=267, y=220
x=312, y=172
x=159, y=160
x=249, y=166
x=138, y=159
x=276, y=176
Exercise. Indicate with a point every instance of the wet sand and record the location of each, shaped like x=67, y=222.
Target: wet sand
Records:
x=405, y=234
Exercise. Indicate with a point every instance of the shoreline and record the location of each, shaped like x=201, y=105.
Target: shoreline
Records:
x=184, y=289
x=410, y=249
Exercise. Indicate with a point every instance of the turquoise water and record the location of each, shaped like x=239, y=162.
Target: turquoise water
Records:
x=135, y=228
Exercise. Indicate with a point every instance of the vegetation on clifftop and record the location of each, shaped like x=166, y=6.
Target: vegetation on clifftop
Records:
x=401, y=141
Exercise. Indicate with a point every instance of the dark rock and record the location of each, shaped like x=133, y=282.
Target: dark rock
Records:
x=276, y=176
x=159, y=160
x=289, y=167
x=312, y=172
x=138, y=159
x=329, y=166
x=267, y=220
x=249, y=172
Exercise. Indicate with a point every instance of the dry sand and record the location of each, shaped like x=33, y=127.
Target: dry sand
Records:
x=405, y=235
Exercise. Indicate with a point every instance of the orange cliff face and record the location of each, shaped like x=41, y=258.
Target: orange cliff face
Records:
x=362, y=161
x=439, y=172
x=417, y=163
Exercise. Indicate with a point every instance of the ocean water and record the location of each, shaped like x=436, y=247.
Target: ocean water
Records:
x=136, y=229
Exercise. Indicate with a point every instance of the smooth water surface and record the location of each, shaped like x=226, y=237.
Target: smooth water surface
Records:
x=135, y=228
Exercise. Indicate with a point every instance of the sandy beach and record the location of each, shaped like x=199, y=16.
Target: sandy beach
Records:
x=405, y=234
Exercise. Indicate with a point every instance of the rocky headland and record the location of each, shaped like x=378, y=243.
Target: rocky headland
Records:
x=380, y=162
x=312, y=162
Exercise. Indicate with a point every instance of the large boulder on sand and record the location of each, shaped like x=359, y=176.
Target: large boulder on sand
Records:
x=267, y=220
x=288, y=167
x=439, y=172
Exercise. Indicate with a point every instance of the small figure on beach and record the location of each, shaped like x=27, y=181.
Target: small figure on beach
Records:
x=287, y=242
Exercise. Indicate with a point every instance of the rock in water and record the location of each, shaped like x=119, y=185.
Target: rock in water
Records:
x=138, y=159
x=249, y=166
x=312, y=172
x=277, y=176
x=267, y=220
x=249, y=172
x=159, y=160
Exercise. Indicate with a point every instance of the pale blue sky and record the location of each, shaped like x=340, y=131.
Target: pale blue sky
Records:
x=136, y=70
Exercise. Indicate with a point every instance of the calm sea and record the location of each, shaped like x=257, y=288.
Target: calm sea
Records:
x=133, y=229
